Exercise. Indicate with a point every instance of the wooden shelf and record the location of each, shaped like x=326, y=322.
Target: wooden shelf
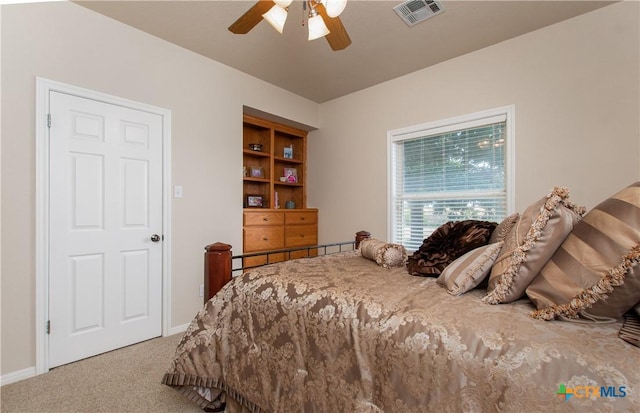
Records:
x=287, y=160
x=258, y=154
x=287, y=184
x=283, y=150
x=263, y=180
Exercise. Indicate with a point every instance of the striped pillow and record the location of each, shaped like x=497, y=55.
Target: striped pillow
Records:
x=468, y=271
x=595, y=272
x=530, y=243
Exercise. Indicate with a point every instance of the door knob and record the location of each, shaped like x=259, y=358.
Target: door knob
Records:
x=155, y=238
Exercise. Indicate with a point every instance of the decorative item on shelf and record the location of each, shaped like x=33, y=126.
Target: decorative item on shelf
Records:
x=276, y=201
x=257, y=172
x=288, y=152
x=255, y=201
x=290, y=205
x=291, y=174
x=283, y=179
x=255, y=147
x=244, y=171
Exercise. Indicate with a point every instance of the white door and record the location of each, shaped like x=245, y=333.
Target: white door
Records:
x=105, y=254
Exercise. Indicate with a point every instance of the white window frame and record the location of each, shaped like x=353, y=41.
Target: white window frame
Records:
x=447, y=125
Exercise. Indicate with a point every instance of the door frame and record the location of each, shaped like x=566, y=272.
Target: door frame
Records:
x=43, y=89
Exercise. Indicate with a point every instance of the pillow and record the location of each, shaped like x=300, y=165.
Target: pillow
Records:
x=448, y=242
x=503, y=228
x=530, y=244
x=384, y=254
x=468, y=271
x=595, y=272
x=630, y=330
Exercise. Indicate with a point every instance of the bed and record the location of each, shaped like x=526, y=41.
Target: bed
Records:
x=342, y=333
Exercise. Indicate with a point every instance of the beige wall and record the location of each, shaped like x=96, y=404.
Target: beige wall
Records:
x=70, y=44
x=575, y=87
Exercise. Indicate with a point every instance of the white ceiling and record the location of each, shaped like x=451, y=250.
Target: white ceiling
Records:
x=383, y=47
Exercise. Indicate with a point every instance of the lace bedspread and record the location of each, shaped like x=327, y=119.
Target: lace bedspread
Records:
x=338, y=333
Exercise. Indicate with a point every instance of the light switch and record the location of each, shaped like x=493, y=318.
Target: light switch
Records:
x=177, y=191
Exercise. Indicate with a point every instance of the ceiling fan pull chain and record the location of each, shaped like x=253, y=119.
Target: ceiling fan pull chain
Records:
x=304, y=12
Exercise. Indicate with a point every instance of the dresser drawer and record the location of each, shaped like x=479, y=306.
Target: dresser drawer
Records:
x=262, y=259
x=301, y=217
x=252, y=218
x=263, y=238
x=300, y=235
x=304, y=253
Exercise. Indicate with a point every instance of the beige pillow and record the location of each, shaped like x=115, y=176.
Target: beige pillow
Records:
x=384, y=254
x=530, y=244
x=595, y=272
x=503, y=228
x=468, y=271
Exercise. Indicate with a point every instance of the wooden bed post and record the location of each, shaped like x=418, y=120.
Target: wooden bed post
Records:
x=217, y=268
x=360, y=236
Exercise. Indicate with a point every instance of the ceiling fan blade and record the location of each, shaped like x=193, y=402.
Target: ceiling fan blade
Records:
x=338, y=38
x=251, y=18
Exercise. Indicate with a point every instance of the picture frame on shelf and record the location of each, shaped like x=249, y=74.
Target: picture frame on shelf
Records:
x=254, y=201
x=291, y=175
x=256, y=172
x=288, y=152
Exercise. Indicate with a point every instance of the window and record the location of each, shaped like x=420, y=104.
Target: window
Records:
x=450, y=170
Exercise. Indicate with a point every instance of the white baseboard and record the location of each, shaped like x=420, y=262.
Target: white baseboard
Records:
x=31, y=371
x=17, y=376
x=178, y=329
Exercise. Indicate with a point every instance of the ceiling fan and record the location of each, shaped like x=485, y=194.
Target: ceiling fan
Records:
x=323, y=19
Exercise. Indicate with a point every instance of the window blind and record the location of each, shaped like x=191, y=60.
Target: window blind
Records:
x=450, y=173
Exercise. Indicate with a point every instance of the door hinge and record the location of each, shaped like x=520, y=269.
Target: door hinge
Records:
x=48, y=120
x=48, y=327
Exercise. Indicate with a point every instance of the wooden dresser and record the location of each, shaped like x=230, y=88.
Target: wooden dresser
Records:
x=272, y=229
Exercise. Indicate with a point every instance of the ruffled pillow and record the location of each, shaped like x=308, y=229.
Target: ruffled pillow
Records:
x=541, y=229
x=468, y=271
x=385, y=254
x=503, y=228
x=595, y=273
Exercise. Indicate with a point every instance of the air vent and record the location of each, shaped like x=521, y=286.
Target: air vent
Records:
x=413, y=12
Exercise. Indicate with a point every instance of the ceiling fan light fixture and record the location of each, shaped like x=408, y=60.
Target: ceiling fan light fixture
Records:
x=317, y=27
x=334, y=7
x=283, y=3
x=319, y=23
x=276, y=16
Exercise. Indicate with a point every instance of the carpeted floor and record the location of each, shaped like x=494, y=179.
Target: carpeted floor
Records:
x=124, y=380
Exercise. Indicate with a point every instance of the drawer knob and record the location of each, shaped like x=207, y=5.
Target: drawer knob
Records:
x=302, y=219
x=265, y=219
x=265, y=239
